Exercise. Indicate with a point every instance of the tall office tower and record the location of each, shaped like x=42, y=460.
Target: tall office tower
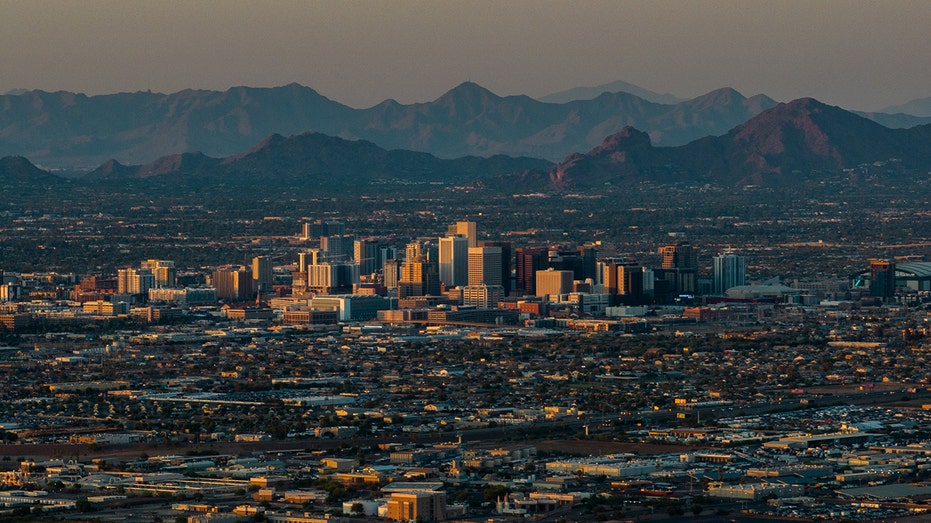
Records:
x=634, y=284
x=132, y=281
x=680, y=267
x=431, y=252
x=507, y=262
x=553, y=283
x=485, y=265
x=391, y=273
x=385, y=253
x=233, y=283
x=418, y=278
x=163, y=270
x=367, y=253
x=318, y=228
x=610, y=274
x=529, y=261
x=322, y=277
x=302, y=261
x=308, y=257
x=679, y=256
x=728, y=270
x=337, y=247
x=334, y=228
x=589, y=262
x=454, y=261
x=413, y=251
x=332, y=277
x=466, y=229
x=882, y=278
x=262, y=274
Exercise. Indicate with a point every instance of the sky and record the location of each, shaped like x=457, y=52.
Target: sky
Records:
x=857, y=54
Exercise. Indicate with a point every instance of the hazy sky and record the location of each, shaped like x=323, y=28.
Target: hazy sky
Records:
x=857, y=54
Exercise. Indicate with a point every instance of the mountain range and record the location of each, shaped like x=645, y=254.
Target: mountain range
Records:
x=65, y=130
x=311, y=161
x=776, y=147
x=780, y=145
x=589, y=93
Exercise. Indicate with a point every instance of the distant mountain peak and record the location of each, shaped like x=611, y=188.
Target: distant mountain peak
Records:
x=918, y=107
x=18, y=169
x=468, y=89
x=269, y=141
x=590, y=93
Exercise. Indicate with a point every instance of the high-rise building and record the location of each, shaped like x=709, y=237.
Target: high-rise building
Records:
x=589, y=262
x=482, y=296
x=529, y=261
x=507, y=262
x=553, y=283
x=262, y=274
x=132, y=281
x=466, y=229
x=414, y=250
x=634, y=284
x=337, y=247
x=367, y=253
x=728, y=270
x=163, y=270
x=418, y=278
x=454, y=261
x=391, y=273
x=318, y=228
x=385, y=253
x=484, y=266
x=882, y=278
x=308, y=257
x=233, y=283
x=679, y=256
x=680, y=268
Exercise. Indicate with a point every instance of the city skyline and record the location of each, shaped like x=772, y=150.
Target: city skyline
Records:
x=365, y=52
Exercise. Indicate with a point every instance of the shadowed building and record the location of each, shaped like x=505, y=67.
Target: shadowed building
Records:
x=882, y=278
x=728, y=270
x=529, y=261
x=485, y=266
x=506, y=262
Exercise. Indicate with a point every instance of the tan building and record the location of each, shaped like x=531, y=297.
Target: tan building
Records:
x=485, y=266
x=482, y=296
x=553, y=283
x=413, y=506
x=466, y=229
x=163, y=270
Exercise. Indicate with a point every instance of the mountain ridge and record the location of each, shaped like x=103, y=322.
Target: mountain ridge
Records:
x=796, y=137
x=73, y=130
x=589, y=93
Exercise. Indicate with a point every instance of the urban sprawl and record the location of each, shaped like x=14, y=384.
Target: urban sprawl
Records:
x=350, y=378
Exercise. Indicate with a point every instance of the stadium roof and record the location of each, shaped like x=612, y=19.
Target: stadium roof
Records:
x=915, y=269
x=920, y=269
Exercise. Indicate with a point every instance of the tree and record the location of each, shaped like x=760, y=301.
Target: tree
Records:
x=83, y=505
